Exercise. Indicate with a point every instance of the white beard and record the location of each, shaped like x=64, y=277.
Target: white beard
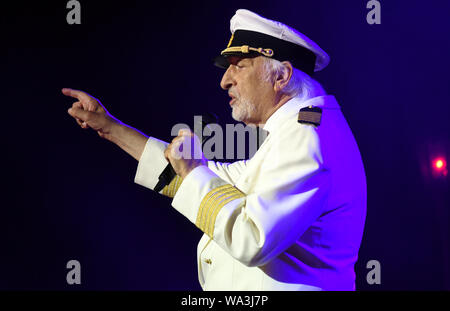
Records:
x=243, y=109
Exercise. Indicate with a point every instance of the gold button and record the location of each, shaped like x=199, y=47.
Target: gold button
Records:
x=208, y=261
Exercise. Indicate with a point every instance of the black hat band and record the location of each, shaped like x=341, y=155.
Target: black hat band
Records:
x=246, y=42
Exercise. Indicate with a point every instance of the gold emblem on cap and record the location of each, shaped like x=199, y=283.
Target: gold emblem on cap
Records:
x=245, y=49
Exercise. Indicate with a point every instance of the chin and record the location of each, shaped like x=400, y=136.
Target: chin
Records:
x=237, y=114
x=244, y=120
x=243, y=111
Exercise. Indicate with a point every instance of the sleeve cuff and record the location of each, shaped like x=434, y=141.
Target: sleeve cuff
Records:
x=151, y=163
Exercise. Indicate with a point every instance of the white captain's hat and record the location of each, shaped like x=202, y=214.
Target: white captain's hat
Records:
x=253, y=35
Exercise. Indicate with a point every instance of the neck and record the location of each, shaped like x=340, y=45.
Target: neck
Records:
x=280, y=101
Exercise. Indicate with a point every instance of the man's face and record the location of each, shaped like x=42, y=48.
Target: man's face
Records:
x=250, y=94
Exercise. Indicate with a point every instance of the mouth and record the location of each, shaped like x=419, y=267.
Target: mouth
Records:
x=232, y=99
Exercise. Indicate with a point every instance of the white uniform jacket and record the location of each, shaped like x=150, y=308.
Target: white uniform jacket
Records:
x=289, y=218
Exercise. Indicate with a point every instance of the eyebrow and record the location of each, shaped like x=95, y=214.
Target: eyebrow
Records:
x=234, y=60
x=245, y=60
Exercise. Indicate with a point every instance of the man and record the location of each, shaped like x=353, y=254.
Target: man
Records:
x=291, y=217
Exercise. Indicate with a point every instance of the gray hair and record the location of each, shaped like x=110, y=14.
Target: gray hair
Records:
x=300, y=85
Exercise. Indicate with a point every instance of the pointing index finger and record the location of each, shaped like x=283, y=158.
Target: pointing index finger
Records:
x=75, y=93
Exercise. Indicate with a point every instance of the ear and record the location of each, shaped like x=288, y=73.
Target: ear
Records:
x=283, y=77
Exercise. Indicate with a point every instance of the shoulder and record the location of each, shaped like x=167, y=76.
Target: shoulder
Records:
x=295, y=145
x=290, y=133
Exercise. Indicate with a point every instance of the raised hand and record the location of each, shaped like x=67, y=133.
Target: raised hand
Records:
x=90, y=113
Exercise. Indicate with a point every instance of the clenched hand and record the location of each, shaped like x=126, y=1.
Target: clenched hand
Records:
x=185, y=153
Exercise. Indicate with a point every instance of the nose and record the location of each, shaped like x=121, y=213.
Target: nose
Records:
x=227, y=79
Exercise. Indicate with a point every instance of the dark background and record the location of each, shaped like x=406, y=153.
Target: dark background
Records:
x=68, y=194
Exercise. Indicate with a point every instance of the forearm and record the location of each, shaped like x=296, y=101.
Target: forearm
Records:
x=129, y=139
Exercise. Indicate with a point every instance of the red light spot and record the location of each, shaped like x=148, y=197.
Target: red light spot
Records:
x=440, y=166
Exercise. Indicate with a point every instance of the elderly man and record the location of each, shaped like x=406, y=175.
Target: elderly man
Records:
x=292, y=216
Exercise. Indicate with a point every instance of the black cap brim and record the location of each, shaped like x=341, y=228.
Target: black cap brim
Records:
x=221, y=61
